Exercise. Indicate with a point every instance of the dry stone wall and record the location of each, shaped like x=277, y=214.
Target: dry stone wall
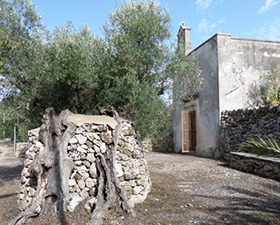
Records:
x=239, y=126
x=90, y=139
x=261, y=165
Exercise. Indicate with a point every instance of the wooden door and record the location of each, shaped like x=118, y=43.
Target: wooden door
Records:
x=192, y=130
x=185, y=131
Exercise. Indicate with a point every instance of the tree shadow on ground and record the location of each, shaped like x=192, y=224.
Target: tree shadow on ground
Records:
x=245, y=207
x=8, y=195
x=9, y=173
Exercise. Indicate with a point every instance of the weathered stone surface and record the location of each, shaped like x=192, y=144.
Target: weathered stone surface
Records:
x=92, y=171
x=119, y=170
x=135, y=199
x=90, y=182
x=81, y=139
x=84, y=194
x=103, y=148
x=240, y=126
x=86, y=163
x=74, y=202
x=137, y=190
x=81, y=184
x=72, y=182
x=131, y=168
x=260, y=165
x=107, y=138
x=73, y=140
x=91, y=157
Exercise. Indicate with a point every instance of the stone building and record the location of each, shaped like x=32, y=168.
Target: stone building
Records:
x=230, y=66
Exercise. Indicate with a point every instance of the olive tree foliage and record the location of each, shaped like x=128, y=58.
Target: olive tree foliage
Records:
x=129, y=69
x=136, y=34
x=21, y=35
x=185, y=72
x=268, y=91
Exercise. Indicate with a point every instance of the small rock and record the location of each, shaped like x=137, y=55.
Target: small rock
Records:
x=96, y=148
x=276, y=169
x=85, y=176
x=84, y=146
x=73, y=203
x=81, y=184
x=39, y=144
x=96, y=142
x=90, y=183
x=72, y=182
x=92, y=201
x=84, y=194
x=103, y=147
x=92, y=171
x=91, y=157
x=107, y=138
x=80, y=149
x=78, y=163
x=134, y=199
x=119, y=170
x=73, y=140
x=25, y=172
x=92, y=191
x=86, y=163
x=81, y=139
x=137, y=190
x=79, y=130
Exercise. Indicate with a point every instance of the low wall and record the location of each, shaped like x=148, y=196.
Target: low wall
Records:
x=261, y=165
x=239, y=126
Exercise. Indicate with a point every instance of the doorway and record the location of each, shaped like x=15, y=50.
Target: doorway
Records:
x=188, y=131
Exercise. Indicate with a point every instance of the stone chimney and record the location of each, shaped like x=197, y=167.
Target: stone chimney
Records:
x=184, y=38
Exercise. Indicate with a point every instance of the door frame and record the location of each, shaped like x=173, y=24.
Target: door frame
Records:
x=189, y=130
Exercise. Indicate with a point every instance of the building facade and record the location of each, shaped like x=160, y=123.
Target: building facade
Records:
x=230, y=67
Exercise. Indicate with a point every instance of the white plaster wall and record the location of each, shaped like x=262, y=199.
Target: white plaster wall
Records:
x=208, y=102
x=207, y=106
x=177, y=132
x=241, y=63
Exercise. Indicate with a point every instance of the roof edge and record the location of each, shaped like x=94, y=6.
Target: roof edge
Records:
x=209, y=39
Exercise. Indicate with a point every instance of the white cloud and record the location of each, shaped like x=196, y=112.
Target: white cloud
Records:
x=203, y=4
x=202, y=25
x=206, y=27
x=267, y=31
x=267, y=5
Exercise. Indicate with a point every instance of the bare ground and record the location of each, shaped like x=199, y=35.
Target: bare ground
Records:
x=186, y=190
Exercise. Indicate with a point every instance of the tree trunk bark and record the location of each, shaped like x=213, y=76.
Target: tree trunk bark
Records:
x=54, y=168
x=110, y=193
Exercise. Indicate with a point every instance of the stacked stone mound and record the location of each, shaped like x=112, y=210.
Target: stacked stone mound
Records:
x=93, y=135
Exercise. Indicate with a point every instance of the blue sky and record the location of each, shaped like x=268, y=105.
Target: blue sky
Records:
x=259, y=19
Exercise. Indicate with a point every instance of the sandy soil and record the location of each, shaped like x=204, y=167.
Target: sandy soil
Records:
x=186, y=190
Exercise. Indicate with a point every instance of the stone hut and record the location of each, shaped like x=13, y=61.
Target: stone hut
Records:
x=93, y=135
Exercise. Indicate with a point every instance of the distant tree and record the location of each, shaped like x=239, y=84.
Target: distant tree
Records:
x=136, y=34
x=21, y=36
x=130, y=68
x=270, y=87
x=268, y=92
x=185, y=74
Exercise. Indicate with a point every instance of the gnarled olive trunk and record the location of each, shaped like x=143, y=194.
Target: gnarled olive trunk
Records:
x=53, y=169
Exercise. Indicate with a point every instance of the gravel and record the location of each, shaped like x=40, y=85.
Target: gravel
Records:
x=185, y=190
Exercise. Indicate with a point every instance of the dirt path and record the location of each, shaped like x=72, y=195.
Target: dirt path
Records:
x=186, y=190
x=10, y=169
x=192, y=190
